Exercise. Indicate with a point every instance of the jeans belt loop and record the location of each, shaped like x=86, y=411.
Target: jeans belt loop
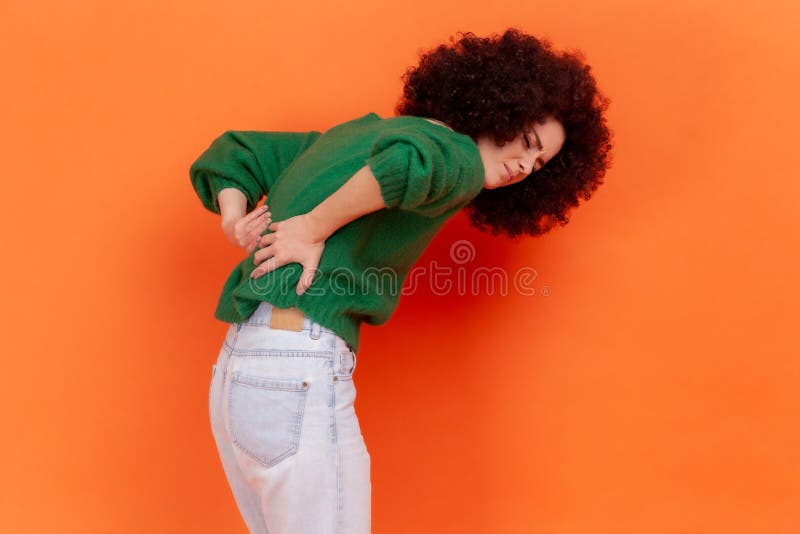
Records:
x=315, y=329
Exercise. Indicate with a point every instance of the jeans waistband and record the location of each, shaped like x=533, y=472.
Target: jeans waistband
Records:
x=261, y=317
x=325, y=341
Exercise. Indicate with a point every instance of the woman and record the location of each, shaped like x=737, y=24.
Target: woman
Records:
x=503, y=126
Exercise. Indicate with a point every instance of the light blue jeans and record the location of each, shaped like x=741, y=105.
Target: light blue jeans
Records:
x=283, y=417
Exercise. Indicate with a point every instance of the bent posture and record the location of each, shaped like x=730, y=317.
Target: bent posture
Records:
x=504, y=127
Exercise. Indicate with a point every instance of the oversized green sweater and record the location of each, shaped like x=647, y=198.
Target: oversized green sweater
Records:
x=426, y=172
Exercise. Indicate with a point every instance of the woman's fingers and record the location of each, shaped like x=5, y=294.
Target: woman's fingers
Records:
x=306, y=279
x=252, y=220
x=262, y=255
x=255, y=213
x=258, y=223
x=249, y=227
x=252, y=245
x=254, y=228
x=265, y=240
x=266, y=267
x=289, y=241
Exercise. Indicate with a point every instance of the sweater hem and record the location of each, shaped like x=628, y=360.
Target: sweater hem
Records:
x=346, y=328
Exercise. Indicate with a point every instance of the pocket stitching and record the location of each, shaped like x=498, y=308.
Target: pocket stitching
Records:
x=287, y=385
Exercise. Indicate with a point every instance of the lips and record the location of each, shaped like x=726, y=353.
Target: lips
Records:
x=508, y=171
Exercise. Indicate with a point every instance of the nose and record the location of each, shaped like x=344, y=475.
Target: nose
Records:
x=525, y=166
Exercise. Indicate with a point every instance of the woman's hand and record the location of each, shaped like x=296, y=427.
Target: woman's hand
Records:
x=245, y=231
x=294, y=240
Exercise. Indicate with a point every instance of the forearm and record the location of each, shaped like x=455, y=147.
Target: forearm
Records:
x=232, y=205
x=361, y=194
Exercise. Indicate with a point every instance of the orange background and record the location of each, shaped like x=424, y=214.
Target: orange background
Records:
x=654, y=390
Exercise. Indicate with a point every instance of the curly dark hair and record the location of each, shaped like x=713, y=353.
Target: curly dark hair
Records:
x=498, y=87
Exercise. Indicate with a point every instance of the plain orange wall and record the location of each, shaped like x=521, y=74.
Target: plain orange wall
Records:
x=653, y=390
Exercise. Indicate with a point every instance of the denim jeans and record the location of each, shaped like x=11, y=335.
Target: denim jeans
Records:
x=282, y=413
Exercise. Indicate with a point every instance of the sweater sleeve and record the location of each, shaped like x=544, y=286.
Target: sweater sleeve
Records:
x=422, y=169
x=249, y=161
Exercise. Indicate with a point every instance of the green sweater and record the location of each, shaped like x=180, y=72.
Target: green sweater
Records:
x=426, y=172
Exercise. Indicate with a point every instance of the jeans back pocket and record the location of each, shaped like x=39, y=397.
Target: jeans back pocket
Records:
x=265, y=416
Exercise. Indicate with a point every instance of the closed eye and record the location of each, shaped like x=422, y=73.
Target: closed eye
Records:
x=527, y=140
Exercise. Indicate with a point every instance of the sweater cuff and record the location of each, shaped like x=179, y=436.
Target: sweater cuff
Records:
x=391, y=172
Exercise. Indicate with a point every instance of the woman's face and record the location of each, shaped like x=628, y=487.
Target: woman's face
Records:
x=526, y=153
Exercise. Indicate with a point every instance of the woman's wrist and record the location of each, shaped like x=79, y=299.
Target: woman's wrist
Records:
x=232, y=205
x=320, y=227
x=227, y=225
x=361, y=194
